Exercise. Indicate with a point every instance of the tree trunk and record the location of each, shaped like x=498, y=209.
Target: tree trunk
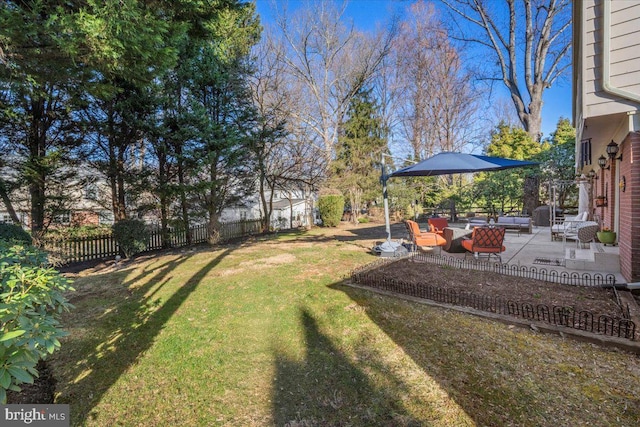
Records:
x=531, y=194
x=7, y=202
x=37, y=174
x=266, y=206
x=122, y=203
x=184, y=207
x=164, y=199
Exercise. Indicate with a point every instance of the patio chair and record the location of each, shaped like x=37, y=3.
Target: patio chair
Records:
x=584, y=232
x=437, y=225
x=568, y=224
x=423, y=238
x=485, y=240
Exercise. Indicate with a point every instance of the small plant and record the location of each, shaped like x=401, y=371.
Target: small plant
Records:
x=363, y=220
x=32, y=300
x=132, y=236
x=12, y=232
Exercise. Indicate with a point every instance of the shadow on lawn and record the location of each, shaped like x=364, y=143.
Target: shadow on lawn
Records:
x=129, y=331
x=326, y=388
x=458, y=371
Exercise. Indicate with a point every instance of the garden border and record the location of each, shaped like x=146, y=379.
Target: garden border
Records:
x=564, y=317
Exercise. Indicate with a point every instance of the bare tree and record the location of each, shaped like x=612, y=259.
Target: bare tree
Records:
x=285, y=159
x=529, y=41
x=329, y=62
x=435, y=105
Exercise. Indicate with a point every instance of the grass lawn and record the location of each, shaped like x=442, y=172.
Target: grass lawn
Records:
x=265, y=333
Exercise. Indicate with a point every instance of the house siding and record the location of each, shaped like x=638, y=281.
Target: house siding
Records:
x=624, y=56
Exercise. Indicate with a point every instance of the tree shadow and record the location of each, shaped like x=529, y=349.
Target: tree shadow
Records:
x=128, y=332
x=326, y=388
x=484, y=376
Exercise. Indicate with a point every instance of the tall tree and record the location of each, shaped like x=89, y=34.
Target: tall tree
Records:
x=435, y=104
x=285, y=160
x=329, y=61
x=37, y=84
x=360, y=146
x=528, y=40
x=221, y=99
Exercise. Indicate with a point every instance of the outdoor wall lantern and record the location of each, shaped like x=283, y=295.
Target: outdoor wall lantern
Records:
x=612, y=149
x=602, y=162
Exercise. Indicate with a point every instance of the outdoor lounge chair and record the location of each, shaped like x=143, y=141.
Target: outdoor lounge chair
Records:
x=568, y=224
x=423, y=238
x=584, y=232
x=437, y=225
x=486, y=240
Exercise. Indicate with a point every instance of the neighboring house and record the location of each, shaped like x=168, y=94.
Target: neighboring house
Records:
x=288, y=206
x=606, y=86
x=87, y=204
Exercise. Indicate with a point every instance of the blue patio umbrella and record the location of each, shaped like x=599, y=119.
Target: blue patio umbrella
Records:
x=447, y=163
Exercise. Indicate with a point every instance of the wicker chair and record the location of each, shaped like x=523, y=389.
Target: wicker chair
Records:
x=583, y=233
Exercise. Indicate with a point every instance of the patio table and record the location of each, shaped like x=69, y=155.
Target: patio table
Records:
x=454, y=238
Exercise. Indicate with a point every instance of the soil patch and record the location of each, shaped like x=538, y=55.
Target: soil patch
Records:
x=595, y=299
x=40, y=392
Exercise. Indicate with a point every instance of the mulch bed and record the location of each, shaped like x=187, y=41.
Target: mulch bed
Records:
x=598, y=300
x=40, y=392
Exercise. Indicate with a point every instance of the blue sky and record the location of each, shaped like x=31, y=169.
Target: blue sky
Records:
x=367, y=14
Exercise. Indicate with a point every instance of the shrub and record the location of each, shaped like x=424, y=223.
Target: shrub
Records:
x=331, y=207
x=32, y=300
x=75, y=232
x=363, y=220
x=14, y=232
x=132, y=236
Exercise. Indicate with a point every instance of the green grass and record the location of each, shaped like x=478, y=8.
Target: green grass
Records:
x=266, y=333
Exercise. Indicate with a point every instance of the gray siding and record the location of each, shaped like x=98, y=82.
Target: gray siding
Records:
x=625, y=56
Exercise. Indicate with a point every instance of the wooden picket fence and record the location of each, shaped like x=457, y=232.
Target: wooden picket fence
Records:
x=78, y=249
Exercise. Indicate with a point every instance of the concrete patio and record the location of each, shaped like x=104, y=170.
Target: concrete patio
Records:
x=523, y=249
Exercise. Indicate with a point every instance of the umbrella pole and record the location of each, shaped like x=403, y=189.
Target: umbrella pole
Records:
x=385, y=201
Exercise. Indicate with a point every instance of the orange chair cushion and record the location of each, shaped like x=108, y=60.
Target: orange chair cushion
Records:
x=421, y=238
x=437, y=225
x=430, y=239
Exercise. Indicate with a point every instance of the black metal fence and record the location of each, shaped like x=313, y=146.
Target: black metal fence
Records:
x=77, y=249
x=528, y=272
x=559, y=316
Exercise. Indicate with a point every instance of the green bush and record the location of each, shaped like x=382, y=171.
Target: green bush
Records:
x=32, y=300
x=75, y=232
x=331, y=207
x=363, y=220
x=132, y=236
x=14, y=232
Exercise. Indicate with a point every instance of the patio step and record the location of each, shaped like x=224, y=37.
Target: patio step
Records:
x=595, y=258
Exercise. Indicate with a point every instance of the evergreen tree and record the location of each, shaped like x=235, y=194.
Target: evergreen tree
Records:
x=361, y=142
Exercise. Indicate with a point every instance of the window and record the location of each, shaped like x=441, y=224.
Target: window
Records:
x=105, y=217
x=91, y=192
x=62, y=218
